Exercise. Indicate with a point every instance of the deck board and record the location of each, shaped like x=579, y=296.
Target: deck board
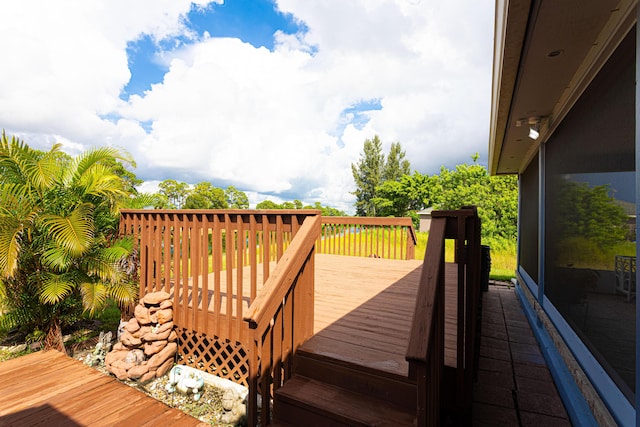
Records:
x=49, y=388
x=364, y=309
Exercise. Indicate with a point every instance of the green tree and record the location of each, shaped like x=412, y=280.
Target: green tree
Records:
x=236, y=199
x=367, y=174
x=121, y=169
x=396, y=166
x=495, y=196
x=59, y=253
x=175, y=192
x=268, y=204
x=589, y=212
x=205, y=196
x=403, y=197
x=391, y=200
x=326, y=210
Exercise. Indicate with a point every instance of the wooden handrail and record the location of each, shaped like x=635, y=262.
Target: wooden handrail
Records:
x=422, y=327
x=277, y=286
x=281, y=318
x=425, y=352
x=383, y=237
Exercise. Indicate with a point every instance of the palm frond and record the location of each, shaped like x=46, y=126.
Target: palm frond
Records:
x=96, y=265
x=124, y=292
x=141, y=201
x=12, y=196
x=16, y=317
x=57, y=259
x=10, y=230
x=90, y=158
x=94, y=295
x=55, y=287
x=74, y=232
x=100, y=181
x=11, y=152
x=42, y=172
x=106, y=262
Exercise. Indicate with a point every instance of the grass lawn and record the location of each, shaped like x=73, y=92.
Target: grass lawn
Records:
x=503, y=256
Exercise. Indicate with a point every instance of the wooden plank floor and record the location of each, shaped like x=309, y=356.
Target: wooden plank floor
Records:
x=364, y=309
x=52, y=389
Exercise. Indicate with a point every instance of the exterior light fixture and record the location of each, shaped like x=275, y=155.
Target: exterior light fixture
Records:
x=534, y=127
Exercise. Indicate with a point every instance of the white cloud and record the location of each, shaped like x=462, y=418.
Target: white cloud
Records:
x=265, y=121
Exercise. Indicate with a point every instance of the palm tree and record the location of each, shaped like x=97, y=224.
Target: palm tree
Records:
x=59, y=250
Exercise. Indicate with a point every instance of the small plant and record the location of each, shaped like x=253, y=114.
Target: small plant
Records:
x=35, y=336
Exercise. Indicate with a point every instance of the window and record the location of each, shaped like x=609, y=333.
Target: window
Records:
x=590, y=217
x=529, y=219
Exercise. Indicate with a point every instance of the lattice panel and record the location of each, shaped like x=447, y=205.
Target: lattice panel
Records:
x=221, y=358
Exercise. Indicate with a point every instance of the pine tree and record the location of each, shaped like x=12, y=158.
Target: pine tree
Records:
x=367, y=175
x=396, y=165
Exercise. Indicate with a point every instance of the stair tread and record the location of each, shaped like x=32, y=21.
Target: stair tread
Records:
x=341, y=404
x=302, y=353
x=394, y=389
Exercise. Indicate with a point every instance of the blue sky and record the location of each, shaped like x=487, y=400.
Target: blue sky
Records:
x=275, y=98
x=252, y=21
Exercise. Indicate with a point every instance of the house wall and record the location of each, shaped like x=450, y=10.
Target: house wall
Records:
x=425, y=223
x=570, y=234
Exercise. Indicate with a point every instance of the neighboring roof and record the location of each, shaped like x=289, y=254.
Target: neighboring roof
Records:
x=426, y=211
x=545, y=55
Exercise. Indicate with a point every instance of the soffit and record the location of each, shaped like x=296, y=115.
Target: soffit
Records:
x=530, y=81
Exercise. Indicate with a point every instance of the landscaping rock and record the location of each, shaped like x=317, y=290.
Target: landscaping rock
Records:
x=164, y=316
x=146, y=347
x=135, y=356
x=153, y=347
x=137, y=371
x=142, y=314
x=129, y=340
x=155, y=298
x=132, y=325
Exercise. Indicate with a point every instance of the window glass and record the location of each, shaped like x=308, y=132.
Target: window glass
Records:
x=529, y=219
x=590, y=217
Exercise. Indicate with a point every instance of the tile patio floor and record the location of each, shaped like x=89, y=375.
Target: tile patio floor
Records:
x=514, y=386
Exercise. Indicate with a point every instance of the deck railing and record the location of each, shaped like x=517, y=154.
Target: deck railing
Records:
x=425, y=352
x=281, y=318
x=238, y=275
x=216, y=259
x=393, y=238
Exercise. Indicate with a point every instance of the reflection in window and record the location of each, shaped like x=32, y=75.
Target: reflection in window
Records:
x=590, y=209
x=529, y=219
x=593, y=257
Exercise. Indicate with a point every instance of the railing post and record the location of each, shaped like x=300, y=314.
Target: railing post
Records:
x=425, y=352
x=411, y=243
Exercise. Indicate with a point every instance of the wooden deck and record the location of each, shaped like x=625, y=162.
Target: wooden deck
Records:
x=51, y=389
x=363, y=315
x=364, y=308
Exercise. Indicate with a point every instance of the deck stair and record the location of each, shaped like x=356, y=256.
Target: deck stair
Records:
x=330, y=392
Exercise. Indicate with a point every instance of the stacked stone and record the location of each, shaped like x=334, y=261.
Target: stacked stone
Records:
x=147, y=345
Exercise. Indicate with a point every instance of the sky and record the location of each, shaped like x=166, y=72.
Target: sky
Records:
x=273, y=97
